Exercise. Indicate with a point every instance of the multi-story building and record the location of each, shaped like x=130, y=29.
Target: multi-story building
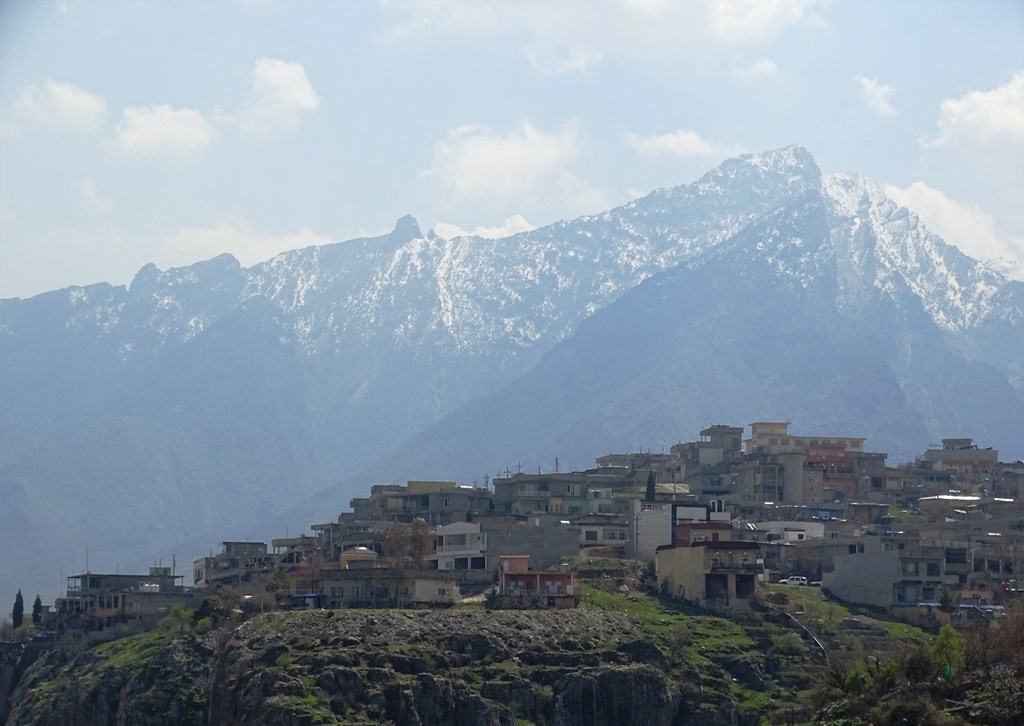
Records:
x=517, y=581
x=236, y=564
x=888, y=578
x=98, y=601
x=774, y=437
x=711, y=574
x=960, y=457
x=459, y=546
x=436, y=502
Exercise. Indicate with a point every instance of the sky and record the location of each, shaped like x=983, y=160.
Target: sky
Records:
x=170, y=132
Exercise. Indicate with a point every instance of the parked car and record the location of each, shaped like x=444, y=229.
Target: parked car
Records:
x=795, y=580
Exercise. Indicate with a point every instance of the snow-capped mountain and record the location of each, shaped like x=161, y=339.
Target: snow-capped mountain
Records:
x=200, y=401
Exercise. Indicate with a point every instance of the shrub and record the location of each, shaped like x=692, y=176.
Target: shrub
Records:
x=857, y=681
x=787, y=644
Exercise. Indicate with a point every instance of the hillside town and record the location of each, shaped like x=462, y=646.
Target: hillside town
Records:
x=933, y=541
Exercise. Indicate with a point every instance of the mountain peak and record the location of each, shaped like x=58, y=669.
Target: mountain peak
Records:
x=791, y=160
x=406, y=229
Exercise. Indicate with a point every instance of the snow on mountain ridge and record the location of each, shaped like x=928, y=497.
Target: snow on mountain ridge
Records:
x=954, y=289
x=489, y=295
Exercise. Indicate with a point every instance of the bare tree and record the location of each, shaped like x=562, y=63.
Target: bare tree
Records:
x=396, y=544
x=419, y=543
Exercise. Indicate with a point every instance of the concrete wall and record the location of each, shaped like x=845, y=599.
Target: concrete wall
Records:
x=655, y=530
x=546, y=543
x=865, y=577
x=681, y=570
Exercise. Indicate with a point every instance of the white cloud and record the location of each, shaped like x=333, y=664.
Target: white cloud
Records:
x=579, y=197
x=963, y=225
x=236, y=236
x=62, y=106
x=983, y=116
x=477, y=162
x=92, y=198
x=162, y=131
x=280, y=92
x=556, y=62
x=755, y=71
x=754, y=21
x=877, y=96
x=512, y=225
x=573, y=35
x=682, y=143
x=62, y=7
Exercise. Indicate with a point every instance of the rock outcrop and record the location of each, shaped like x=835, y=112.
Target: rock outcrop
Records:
x=564, y=668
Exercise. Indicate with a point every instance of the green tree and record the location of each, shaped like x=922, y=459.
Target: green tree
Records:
x=949, y=601
x=651, y=492
x=18, y=614
x=948, y=651
x=37, y=611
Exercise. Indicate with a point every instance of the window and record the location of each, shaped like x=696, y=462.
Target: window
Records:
x=441, y=592
x=933, y=569
x=590, y=535
x=909, y=568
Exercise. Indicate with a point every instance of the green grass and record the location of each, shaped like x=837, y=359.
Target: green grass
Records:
x=748, y=700
x=132, y=649
x=810, y=605
x=674, y=627
x=300, y=706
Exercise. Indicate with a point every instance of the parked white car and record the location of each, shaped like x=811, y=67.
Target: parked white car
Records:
x=794, y=580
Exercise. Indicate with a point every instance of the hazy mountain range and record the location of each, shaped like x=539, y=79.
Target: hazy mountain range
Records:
x=202, y=403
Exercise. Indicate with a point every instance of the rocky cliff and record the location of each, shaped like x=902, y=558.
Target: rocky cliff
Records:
x=586, y=666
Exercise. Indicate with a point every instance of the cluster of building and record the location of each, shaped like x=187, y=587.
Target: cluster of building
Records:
x=715, y=516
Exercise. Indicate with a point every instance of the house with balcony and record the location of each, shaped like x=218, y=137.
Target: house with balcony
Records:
x=604, y=530
x=517, y=583
x=459, y=546
x=714, y=575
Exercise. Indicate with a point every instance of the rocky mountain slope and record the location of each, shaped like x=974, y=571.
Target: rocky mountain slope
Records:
x=199, y=402
x=621, y=658
x=591, y=666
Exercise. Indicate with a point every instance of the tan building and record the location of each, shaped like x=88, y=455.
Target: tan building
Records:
x=385, y=587
x=774, y=437
x=711, y=574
